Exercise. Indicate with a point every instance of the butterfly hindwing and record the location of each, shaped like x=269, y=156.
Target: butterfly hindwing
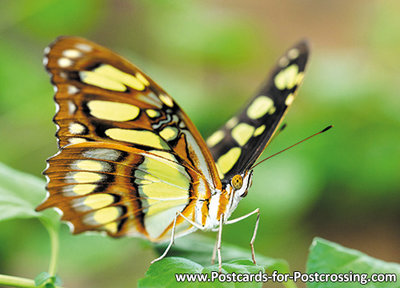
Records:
x=237, y=145
x=119, y=189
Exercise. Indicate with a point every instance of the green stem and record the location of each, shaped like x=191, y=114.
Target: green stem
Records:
x=18, y=282
x=28, y=283
x=54, y=239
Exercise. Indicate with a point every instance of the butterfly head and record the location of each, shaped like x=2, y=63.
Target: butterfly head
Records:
x=237, y=189
x=241, y=183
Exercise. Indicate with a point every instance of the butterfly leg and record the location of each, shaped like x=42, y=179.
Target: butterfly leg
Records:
x=173, y=234
x=257, y=211
x=217, y=246
x=198, y=226
x=219, y=243
x=214, y=254
x=170, y=242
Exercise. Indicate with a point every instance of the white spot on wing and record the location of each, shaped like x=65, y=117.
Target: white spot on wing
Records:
x=72, y=53
x=84, y=47
x=46, y=50
x=71, y=107
x=64, y=62
x=76, y=128
x=72, y=89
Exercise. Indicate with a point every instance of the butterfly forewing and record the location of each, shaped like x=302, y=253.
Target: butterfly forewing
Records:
x=237, y=145
x=107, y=107
x=103, y=97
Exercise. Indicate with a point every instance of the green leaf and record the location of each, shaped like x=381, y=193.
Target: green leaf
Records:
x=20, y=193
x=48, y=280
x=199, y=248
x=57, y=280
x=162, y=273
x=329, y=257
x=42, y=278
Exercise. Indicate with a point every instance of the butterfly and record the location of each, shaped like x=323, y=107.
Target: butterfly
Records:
x=132, y=163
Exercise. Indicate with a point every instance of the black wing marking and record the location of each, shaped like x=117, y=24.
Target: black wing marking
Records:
x=237, y=145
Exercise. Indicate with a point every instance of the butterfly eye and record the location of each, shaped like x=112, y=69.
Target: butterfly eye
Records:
x=237, y=182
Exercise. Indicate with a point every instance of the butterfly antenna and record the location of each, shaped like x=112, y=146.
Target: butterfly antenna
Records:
x=309, y=137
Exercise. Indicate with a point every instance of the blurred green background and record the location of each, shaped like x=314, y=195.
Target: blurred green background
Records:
x=211, y=56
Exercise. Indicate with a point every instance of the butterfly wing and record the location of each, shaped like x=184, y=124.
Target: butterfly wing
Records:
x=120, y=189
x=107, y=104
x=103, y=97
x=237, y=144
